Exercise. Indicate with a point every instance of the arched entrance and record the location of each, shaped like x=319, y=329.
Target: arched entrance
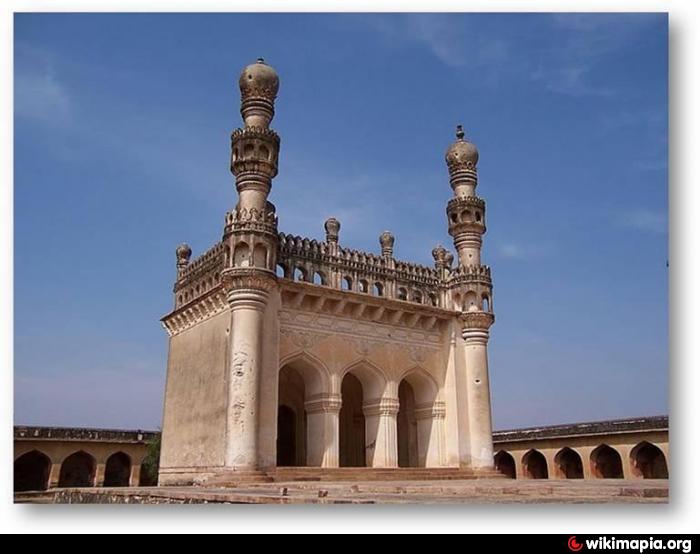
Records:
x=417, y=432
x=77, y=470
x=286, y=437
x=568, y=464
x=352, y=424
x=407, y=430
x=291, y=419
x=505, y=463
x=32, y=472
x=648, y=461
x=535, y=465
x=117, y=470
x=606, y=463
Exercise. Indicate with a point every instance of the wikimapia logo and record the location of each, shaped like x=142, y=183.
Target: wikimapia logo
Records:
x=631, y=545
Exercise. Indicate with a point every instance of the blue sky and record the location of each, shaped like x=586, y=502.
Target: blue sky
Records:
x=122, y=127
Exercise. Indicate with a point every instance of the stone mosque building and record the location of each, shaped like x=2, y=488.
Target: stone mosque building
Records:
x=290, y=351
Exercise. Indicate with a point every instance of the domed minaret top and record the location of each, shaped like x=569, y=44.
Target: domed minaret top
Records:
x=259, y=84
x=462, y=157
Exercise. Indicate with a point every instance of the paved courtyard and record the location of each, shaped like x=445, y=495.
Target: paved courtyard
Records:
x=484, y=491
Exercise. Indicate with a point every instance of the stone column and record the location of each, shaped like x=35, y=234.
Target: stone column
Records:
x=430, y=420
x=585, y=453
x=135, y=475
x=99, y=479
x=475, y=332
x=628, y=471
x=381, y=432
x=54, y=475
x=322, y=431
x=248, y=291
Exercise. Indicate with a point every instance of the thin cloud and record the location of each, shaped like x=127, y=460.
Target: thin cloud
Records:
x=568, y=69
x=39, y=93
x=445, y=37
x=645, y=220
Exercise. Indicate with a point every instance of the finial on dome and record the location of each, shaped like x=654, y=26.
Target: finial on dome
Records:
x=386, y=241
x=462, y=157
x=259, y=84
x=183, y=253
x=332, y=226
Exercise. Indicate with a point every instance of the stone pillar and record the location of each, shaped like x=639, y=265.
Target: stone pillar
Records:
x=381, y=432
x=585, y=453
x=475, y=333
x=248, y=291
x=431, y=438
x=54, y=475
x=518, y=460
x=135, y=475
x=628, y=471
x=99, y=479
x=322, y=431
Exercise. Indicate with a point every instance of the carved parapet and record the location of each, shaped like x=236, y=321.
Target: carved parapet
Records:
x=207, y=261
x=254, y=150
x=252, y=221
x=471, y=274
x=296, y=246
x=466, y=215
x=200, y=276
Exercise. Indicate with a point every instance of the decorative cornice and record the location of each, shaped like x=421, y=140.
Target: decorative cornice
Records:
x=203, y=308
x=477, y=320
x=248, y=278
x=468, y=275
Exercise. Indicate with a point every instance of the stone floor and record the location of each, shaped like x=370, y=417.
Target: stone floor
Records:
x=485, y=491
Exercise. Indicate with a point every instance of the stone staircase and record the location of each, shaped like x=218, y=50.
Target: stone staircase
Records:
x=341, y=474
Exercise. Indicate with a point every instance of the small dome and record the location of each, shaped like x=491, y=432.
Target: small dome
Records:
x=462, y=152
x=183, y=253
x=259, y=79
x=386, y=240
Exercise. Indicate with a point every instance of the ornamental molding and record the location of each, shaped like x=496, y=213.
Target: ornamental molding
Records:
x=306, y=330
x=244, y=278
x=194, y=313
x=477, y=320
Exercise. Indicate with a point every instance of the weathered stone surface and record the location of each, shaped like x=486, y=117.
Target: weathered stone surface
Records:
x=387, y=492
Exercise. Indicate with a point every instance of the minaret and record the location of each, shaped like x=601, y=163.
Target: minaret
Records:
x=250, y=238
x=471, y=290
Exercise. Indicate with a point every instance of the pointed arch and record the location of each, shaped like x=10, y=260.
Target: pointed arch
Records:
x=371, y=377
x=78, y=470
x=568, y=464
x=31, y=471
x=648, y=461
x=317, y=377
x=535, y=465
x=118, y=470
x=424, y=385
x=606, y=463
x=505, y=463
